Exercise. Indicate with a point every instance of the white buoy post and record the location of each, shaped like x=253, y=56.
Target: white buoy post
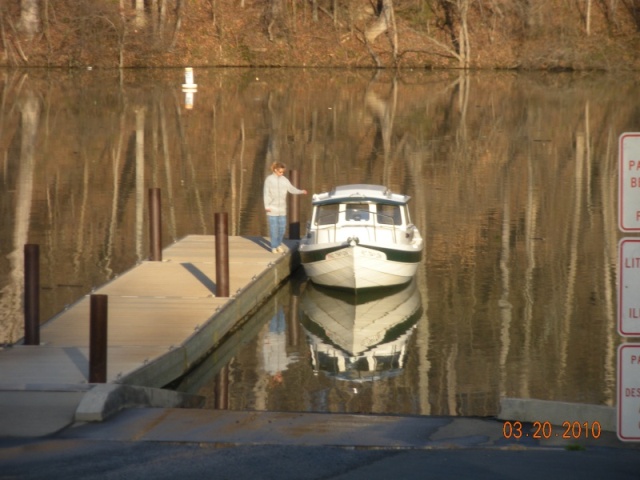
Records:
x=189, y=87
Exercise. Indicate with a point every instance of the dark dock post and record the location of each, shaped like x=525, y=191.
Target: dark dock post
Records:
x=222, y=254
x=98, y=339
x=31, y=294
x=221, y=397
x=155, y=225
x=294, y=207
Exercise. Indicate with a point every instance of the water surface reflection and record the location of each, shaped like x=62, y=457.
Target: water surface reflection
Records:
x=513, y=186
x=359, y=336
x=321, y=350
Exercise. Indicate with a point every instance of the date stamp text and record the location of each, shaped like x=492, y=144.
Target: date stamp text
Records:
x=544, y=430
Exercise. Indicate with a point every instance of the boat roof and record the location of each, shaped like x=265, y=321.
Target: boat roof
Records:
x=359, y=193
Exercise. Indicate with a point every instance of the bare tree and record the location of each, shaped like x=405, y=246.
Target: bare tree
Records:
x=456, y=14
x=460, y=30
x=274, y=17
x=155, y=15
x=29, y=23
x=140, y=19
x=177, y=25
x=385, y=22
x=13, y=52
x=163, y=16
x=465, y=47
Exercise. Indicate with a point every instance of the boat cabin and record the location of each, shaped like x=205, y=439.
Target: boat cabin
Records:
x=369, y=212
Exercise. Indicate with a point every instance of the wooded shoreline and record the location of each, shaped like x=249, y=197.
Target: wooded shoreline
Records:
x=431, y=34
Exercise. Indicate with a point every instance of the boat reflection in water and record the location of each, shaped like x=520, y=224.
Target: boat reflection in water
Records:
x=359, y=336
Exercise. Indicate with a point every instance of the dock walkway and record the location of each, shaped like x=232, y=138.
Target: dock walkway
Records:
x=163, y=317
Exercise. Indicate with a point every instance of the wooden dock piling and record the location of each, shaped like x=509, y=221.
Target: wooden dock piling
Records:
x=155, y=225
x=98, y=338
x=32, y=294
x=222, y=254
x=294, y=207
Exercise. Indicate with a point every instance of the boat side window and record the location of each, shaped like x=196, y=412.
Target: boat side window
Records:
x=389, y=215
x=357, y=212
x=327, y=215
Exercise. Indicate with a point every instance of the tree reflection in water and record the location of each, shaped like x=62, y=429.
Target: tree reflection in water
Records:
x=513, y=180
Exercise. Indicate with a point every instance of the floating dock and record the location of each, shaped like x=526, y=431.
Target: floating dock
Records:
x=163, y=318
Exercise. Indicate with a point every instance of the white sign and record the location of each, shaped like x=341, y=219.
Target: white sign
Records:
x=629, y=182
x=629, y=287
x=628, y=427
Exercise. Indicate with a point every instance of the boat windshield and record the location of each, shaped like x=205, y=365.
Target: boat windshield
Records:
x=327, y=214
x=389, y=215
x=385, y=214
x=357, y=212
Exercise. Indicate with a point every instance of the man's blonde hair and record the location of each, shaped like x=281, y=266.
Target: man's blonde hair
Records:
x=277, y=166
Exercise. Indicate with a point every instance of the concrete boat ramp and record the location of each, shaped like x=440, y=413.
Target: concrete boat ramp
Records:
x=163, y=318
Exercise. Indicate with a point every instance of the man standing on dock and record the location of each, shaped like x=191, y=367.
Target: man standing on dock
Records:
x=276, y=187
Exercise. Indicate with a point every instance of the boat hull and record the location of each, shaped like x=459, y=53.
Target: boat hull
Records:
x=359, y=266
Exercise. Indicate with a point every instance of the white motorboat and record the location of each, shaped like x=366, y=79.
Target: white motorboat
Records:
x=359, y=335
x=360, y=236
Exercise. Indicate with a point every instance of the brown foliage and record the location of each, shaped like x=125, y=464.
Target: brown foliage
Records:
x=549, y=34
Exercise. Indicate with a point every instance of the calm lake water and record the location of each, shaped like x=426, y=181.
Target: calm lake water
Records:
x=513, y=179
